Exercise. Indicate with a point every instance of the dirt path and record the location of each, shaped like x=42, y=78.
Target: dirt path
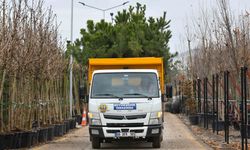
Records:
x=177, y=136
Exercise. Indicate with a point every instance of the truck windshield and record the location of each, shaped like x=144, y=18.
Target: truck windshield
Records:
x=125, y=85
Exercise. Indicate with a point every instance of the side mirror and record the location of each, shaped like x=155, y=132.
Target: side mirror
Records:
x=169, y=91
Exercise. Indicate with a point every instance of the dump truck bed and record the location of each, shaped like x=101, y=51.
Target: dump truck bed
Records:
x=127, y=63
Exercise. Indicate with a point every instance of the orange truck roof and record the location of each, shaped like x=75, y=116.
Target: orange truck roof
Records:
x=127, y=63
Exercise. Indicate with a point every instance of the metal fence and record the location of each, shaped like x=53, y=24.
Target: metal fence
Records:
x=223, y=101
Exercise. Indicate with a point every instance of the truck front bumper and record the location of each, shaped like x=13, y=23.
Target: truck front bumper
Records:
x=139, y=132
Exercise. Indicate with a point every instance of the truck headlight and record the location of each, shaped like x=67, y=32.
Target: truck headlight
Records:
x=94, y=119
x=95, y=122
x=156, y=114
x=154, y=121
x=155, y=118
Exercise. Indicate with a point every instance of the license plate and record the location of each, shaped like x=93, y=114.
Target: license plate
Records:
x=124, y=134
x=131, y=106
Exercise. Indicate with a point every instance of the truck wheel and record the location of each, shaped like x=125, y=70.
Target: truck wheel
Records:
x=96, y=143
x=157, y=142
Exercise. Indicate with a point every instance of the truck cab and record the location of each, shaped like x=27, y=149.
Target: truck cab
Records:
x=125, y=104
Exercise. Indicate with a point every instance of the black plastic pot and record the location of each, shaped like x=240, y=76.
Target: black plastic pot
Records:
x=27, y=139
x=35, y=137
x=201, y=119
x=194, y=119
x=218, y=126
x=58, y=130
x=168, y=107
x=51, y=133
x=67, y=123
x=32, y=134
x=78, y=119
x=43, y=135
x=64, y=128
x=10, y=140
x=211, y=117
x=17, y=139
x=73, y=123
x=7, y=140
x=55, y=130
x=1, y=141
x=248, y=132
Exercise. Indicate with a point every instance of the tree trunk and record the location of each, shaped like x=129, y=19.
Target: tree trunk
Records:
x=1, y=101
x=12, y=101
x=77, y=104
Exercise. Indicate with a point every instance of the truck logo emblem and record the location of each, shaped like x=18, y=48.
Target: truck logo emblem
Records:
x=103, y=108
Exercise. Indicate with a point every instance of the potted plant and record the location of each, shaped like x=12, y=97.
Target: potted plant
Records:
x=190, y=103
x=191, y=107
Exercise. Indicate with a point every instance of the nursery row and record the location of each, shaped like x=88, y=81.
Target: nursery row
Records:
x=24, y=139
x=34, y=68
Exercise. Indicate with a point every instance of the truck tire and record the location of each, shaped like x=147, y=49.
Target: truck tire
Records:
x=157, y=142
x=96, y=144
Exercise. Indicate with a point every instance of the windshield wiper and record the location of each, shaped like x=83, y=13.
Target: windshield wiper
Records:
x=150, y=98
x=108, y=94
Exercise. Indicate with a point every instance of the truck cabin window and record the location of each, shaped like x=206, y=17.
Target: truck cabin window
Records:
x=125, y=85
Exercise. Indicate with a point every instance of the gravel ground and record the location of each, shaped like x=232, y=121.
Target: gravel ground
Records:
x=176, y=136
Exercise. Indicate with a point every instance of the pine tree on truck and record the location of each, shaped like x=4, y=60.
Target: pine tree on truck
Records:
x=125, y=99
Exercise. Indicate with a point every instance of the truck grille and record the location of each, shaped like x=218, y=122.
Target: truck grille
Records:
x=137, y=131
x=126, y=130
x=113, y=117
x=113, y=131
x=136, y=117
x=124, y=124
x=128, y=117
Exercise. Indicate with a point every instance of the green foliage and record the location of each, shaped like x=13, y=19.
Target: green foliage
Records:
x=131, y=35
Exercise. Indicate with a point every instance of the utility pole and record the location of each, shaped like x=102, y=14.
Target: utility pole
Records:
x=71, y=63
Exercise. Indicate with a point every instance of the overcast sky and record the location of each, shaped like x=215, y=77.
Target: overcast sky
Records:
x=178, y=11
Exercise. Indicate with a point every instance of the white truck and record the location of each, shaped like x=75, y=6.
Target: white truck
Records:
x=125, y=100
